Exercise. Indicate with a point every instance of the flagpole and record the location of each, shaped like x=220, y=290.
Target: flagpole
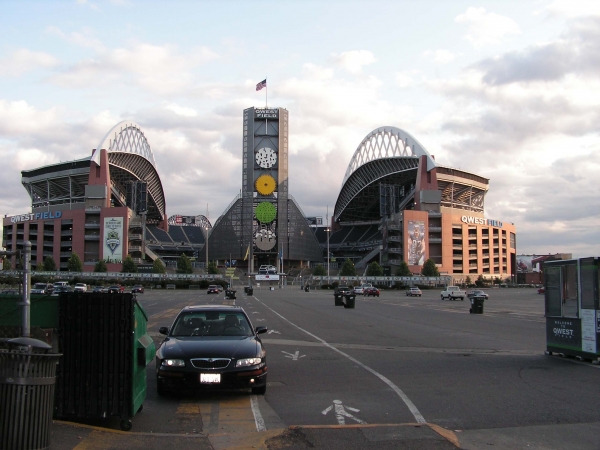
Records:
x=266, y=94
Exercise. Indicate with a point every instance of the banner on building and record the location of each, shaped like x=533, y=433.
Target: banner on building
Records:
x=113, y=240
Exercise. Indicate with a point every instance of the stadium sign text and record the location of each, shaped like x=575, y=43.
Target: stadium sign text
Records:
x=37, y=216
x=266, y=113
x=481, y=221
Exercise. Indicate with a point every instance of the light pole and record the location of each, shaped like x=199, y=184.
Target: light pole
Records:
x=328, y=254
x=206, y=247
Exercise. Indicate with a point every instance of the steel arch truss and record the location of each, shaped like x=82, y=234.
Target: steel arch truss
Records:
x=359, y=198
x=126, y=137
x=386, y=142
x=126, y=167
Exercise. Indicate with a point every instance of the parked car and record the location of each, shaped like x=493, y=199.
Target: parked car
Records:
x=213, y=289
x=371, y=291
x=344, y=290
x=138, y=288
x=116, y=289
x=477, y=293
x=100, y=289
x=211, y=347
x=42, y=288
x=61, y=290
x=80, y=287
x=453, y=293
x=414, y=292
x=542, y=290
x=359, y=290
x=60, y=284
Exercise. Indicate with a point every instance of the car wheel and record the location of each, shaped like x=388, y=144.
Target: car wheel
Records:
x=262, y=390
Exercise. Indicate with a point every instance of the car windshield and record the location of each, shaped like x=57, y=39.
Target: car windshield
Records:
x=212, y=323
x=40, y=286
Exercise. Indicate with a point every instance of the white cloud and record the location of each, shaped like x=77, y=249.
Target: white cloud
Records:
x=159, y=69
x=353, y=61
x=182, y=110
x=486, y=28
x=404, y=79
x=439, y=56
x=574, y=8
x=24, y=60
x=83, y=38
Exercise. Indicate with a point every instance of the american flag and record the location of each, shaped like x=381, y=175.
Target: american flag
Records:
x=262, y=84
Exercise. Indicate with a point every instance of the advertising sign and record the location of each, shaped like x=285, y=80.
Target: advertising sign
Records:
x=564, y=333
x=267, y=277
x=416, y=243
x=112, y=240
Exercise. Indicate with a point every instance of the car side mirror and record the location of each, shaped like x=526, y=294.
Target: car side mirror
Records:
x=163, y=330
x=261, y=330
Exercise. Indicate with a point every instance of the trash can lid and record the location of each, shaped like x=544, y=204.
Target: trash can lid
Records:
x=27, y=341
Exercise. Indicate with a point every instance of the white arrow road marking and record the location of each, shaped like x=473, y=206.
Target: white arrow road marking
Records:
x=260, y=320
x=255, y=312
x=411, y=406
x=273, y=331
x=340, y=412
x=294, y=356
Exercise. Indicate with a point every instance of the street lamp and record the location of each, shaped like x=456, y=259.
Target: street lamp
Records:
x=328, y=254
x=206, y=246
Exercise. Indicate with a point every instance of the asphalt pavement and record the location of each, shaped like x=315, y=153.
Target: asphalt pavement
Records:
x=441, y=355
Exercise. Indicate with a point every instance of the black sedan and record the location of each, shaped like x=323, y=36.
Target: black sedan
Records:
x=138, y=288
x=211, y=346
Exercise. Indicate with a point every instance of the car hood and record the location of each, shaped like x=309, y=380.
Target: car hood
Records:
x=210, y=347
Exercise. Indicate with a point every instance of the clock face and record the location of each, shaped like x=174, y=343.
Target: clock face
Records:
x=265, y=184
x=266, y=157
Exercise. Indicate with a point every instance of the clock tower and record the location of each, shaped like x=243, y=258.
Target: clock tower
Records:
x=265, y=185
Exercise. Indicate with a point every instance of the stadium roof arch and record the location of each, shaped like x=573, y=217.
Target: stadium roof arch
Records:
x=130, y=158
x=387, y=155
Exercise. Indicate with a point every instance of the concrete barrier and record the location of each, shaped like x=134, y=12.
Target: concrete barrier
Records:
x=170, y=286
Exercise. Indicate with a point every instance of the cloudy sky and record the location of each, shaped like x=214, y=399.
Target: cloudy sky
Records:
x=509, y=90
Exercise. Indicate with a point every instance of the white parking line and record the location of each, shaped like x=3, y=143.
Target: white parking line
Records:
x=411, y=406
x=258, y=418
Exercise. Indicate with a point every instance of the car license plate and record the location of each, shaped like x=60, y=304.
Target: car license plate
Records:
x=210, y=378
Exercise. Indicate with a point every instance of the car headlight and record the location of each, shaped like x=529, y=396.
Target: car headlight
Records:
x=173, y=362
x=247, y=362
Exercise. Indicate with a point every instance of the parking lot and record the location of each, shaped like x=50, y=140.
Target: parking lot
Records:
x=479, y=380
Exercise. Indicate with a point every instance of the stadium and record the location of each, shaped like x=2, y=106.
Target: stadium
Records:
x=396, y=203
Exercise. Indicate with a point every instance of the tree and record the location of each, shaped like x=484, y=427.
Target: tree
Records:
x=40, y=266
x=74, y=264
x=158, y=266
x=480, y=282
x=184, y=265
x=6, y=265
x=374, y=270
x=319, y=270
x=129, y=265
x=101, y=266
x=403, y=270
x=348, y=269
x=49, y=264
x=212, y=268
x=429, y=269
x=468, y=280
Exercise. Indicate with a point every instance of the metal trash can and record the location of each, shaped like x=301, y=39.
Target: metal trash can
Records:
x=27, y=380
x=339, y=299
x=307, y=288
x=476, y=305
x=350, y=300
x=230, y=294
x=246, y=289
